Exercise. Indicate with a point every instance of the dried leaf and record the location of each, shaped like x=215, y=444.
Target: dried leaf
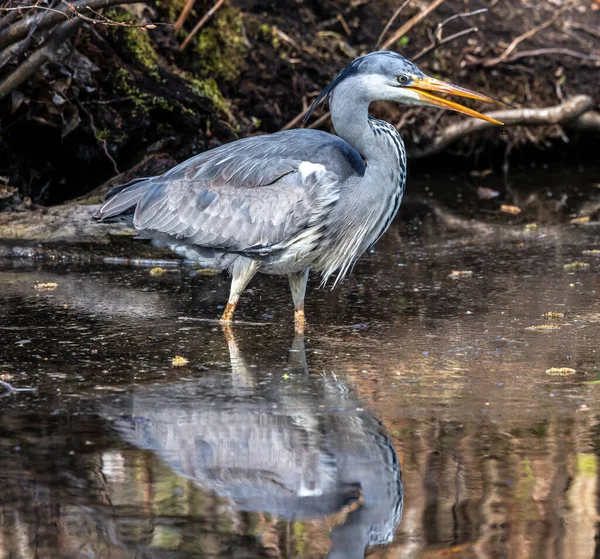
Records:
x=179, y=361
x=530, y=226
x=583, y=219
x=455, y=274
x=70, y=120
x=49, y=286
x=158, y=271
x=512, y=210
x=560, y=371
x=543, y=327
x=593, y=252
x=553, y=314
x=576, y=266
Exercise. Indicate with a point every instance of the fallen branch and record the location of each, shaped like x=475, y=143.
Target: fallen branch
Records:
x=411, y=23
x=201, y=24
x=20, y=29
x=559, y=114
x=38, y=58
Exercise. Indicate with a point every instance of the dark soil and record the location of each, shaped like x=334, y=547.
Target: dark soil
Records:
x=119, y=97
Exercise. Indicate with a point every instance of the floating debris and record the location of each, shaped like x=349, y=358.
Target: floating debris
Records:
x=593, y=252
x=49, y=286
x=206, y=272
x=583, y=219
x=487, y=193
x=576, y=266
x=455, y=274
x=553, y=314
x=560, y=371
x=157, y=271
x=543, y=327
x=530, y=226
x=512, y=210
x=179, y=361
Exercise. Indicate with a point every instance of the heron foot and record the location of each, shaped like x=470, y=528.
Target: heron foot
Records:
x=228, y=313
x=299, y=320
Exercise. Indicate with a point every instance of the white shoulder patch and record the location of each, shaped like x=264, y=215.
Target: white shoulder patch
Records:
x=307, y=168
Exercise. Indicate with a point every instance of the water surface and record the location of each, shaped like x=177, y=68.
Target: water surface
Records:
x=416, y=419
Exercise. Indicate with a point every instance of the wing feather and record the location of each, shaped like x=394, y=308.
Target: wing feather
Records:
x=245, y=196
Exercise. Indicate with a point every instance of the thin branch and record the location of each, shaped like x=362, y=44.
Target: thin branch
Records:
x=200, y=24
x=411, y=23
x=20, y=29
x=448, y=39
x=463, y=15
x=551, y=50
x=390, y=22
x=39, y=57
x=559, y=114
x=527, y=35
x=587, y=29
x=184, y=15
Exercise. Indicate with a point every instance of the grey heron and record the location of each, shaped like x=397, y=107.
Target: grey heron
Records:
x=296, y=200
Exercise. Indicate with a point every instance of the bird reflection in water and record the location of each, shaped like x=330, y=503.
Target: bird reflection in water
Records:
x=297, y=446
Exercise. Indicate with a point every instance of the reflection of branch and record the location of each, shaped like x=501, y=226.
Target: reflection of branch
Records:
x=39, y=57
x=559, y=114
x=411, y=23
x=527, y=35
x=20, y=29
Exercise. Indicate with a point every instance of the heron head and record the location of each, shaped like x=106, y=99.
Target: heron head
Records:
x=387, y=76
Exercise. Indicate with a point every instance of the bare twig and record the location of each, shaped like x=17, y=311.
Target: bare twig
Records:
x=436, y=44
x=527, y=35
x=201, y=24
x=39, y=57
x=184, y=15
x=411, y=23
x=390, y=21
x=587, y=29
x=100, y=140
x=552, y=50
x=559, y=114
x=345, y=25
x=20, y=28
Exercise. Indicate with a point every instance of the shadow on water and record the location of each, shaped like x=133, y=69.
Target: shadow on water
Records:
x=264, y=446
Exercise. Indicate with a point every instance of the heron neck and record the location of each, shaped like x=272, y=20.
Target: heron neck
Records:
x=350, y=118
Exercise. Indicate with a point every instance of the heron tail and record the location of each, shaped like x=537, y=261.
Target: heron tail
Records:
x=120, y=202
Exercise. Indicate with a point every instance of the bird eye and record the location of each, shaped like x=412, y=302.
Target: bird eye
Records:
x=403, y=79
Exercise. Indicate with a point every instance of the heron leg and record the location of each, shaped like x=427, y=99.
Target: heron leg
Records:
x=242, y=271
x=298, y=287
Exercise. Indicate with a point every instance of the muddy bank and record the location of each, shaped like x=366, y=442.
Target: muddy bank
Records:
x=115, y=97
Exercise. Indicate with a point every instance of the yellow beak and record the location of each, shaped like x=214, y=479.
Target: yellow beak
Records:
x=422, y=86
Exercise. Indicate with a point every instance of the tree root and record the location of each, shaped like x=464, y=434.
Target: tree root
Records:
x=572, y=113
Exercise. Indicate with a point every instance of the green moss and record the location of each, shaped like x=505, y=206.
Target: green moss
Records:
x=142, y=101
x=269, y=34
x=136, y=41
x=221, y=48
x=208, y=88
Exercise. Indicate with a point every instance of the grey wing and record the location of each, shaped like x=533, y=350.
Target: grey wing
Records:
x=251, y=194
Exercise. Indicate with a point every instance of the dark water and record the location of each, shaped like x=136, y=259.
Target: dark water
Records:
x=416, y=419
